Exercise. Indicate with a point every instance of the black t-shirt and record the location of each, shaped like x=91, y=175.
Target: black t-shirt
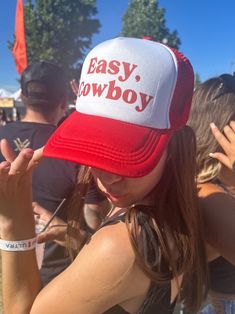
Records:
x=53, y=180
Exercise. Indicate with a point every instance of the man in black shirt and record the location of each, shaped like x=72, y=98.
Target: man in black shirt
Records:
x=43, y=86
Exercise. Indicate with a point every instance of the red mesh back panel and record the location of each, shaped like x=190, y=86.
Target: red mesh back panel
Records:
x=182, y=97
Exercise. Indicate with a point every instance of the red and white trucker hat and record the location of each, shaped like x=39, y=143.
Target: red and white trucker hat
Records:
x=133, y=94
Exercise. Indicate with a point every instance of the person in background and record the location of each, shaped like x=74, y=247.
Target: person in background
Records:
x=141, y=155
x=214, y=105
x=2, y=117
x=95, y=209
x=43, y=86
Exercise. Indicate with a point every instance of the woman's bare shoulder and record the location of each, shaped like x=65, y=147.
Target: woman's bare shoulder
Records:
x=218, y=213
x=213, y=198
x=113, y=240
x=208, y=188
x=100, y=277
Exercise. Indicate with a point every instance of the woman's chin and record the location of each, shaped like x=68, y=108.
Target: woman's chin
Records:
x=117, y=202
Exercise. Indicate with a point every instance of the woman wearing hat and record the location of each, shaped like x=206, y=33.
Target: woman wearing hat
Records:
x=129, y=133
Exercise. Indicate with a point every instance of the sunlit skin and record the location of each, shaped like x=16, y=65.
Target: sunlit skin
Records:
x=124, y=191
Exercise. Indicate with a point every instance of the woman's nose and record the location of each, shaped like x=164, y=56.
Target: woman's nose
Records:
x=107, y=177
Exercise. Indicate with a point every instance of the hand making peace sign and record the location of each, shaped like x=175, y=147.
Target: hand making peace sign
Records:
x=15, y=187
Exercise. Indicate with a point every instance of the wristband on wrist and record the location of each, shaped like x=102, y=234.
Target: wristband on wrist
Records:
x=14, y=246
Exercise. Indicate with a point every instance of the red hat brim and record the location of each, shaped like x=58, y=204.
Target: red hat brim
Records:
x=111, y=145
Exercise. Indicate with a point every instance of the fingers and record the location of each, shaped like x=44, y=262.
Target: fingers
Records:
x=37, y=158
x=17, y=168
x=43, y=237
x=221, y=139
x=232, y=125
x=7, y=151
x=55, y=233
x=222, y=158
x=4, y=170
x=227, y=142
x=47, y=236
x=26, y=160
x=38, y=154
x=229, y=132
x=20, y=164
x=5, y=167
x=74, y=86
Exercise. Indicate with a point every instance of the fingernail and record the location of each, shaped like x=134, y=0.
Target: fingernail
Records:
x=212, y=155
x=29, y=154
x=212, y=125
x=6, y=165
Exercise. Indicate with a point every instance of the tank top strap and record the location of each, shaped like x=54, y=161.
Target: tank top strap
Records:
x=158, y=299
x=227, y=189
x=113, y=220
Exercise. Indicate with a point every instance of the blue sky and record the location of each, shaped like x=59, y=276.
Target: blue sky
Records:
x=206, y=29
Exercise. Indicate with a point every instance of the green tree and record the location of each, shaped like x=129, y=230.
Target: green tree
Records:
x=60, y=31
x=145, y=18
x=197, y=80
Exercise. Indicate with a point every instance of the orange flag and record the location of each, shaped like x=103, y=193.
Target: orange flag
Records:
x=19, y=49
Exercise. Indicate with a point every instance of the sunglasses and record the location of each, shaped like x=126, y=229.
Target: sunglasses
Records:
x=227, y=85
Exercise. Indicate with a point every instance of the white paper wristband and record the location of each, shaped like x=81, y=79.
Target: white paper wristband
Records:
x=14, y=246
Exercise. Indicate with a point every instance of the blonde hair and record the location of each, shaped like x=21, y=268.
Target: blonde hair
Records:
x=213, y=101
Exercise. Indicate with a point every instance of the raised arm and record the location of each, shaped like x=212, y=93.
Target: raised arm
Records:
x=20, y=276
x=100, y=277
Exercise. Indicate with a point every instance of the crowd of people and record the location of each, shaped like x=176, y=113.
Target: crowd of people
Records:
x=141, y=178
x=8, y=116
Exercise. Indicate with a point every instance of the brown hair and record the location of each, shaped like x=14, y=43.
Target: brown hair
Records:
x=213, y=101
x=166, y=237
x=43, y=100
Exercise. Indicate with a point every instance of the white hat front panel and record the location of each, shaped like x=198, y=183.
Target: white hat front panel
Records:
x=118, y=83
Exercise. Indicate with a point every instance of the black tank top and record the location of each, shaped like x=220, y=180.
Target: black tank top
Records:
x=222, y=276
x=221, y=272
x=158, y=297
